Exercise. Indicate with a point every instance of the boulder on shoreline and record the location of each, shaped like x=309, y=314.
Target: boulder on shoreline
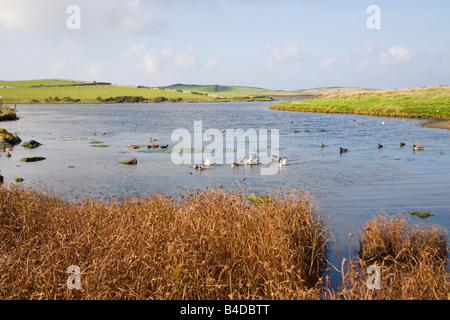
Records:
x=8, y=139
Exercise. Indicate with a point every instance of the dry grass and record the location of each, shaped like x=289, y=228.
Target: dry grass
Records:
x=412, y=261
x=210, y=245
x=207, y=246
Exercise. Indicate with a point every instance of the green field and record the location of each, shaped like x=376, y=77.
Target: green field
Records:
x=43, y=82
x=89, y=94
x=416, y=103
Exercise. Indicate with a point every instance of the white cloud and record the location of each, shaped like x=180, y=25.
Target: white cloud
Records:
x=100, y=17
x=154, y=59
x=186, y=59
x=70, y=45
x=93, y=70
x=278, y=53
x=396, y=55
x=29, y=15
x=58, y=65
x=328, y=62
x=211, y=62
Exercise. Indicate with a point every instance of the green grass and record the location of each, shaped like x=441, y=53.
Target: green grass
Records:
x=416, y=103
x=89, y=94
x=43, y=82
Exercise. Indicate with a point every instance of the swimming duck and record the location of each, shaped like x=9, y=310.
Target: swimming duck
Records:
x=283, y=162
x=322, y=145
x=402, y=144
x=342, y=150
x=165, y=147
x=275, y=159
x=380, y=146
x=133, y=147
x=153, y=140
x=195, y=167
x=418, y=147
x=234, y=164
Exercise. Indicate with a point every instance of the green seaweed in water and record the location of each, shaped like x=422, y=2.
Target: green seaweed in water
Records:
x=423, y=215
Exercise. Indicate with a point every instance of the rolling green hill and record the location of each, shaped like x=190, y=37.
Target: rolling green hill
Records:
x=67, y=91
x=235, y=91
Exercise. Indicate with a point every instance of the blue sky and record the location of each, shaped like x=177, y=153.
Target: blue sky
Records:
x=287, y=44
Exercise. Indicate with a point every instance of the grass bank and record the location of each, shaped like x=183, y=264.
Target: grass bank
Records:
x=433, y=103
x=208, y=245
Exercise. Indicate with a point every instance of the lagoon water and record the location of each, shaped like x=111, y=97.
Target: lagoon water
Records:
x=349, y=188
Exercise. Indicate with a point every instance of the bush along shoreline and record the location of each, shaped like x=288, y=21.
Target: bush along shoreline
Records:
x=208, y=245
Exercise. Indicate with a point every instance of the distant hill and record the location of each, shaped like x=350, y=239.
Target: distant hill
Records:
x=216, y=88
x=325, y=91
x=235, y=90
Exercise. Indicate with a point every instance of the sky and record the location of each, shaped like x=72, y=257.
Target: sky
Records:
x=282, y=44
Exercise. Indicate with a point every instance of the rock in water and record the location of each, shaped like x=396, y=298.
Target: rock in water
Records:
x=33, y=159
x=131, y=161
x=31, y=144
x=8, y=139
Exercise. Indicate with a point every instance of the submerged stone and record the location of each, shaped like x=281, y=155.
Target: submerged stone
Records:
x=33, y=159
x=131, y=161
x=422, y=215
x=32, y=144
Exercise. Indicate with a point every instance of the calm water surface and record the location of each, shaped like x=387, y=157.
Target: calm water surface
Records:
x=349, y=188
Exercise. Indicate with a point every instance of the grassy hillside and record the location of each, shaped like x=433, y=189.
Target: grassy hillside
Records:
x=326, y=91
x=216, y=88
x=227, y=91
x=51, y=89
x=43, y=82
x=419, y=103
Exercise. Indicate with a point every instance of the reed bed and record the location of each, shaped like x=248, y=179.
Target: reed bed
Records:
x=412, y=262
x=209, y=245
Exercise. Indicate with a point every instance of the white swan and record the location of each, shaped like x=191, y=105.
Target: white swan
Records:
x=207, y=163
x=253, y=160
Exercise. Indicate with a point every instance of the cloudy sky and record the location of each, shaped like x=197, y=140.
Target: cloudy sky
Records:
x=282, y=44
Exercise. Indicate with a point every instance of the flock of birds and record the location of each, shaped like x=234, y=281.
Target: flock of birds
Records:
x=418, y=147
x=252, y=160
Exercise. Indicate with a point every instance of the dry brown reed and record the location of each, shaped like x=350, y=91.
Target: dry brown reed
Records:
x=209, y=245
x=412, y=261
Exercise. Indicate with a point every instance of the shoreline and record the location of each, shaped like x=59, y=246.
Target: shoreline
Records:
x=437, y=124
